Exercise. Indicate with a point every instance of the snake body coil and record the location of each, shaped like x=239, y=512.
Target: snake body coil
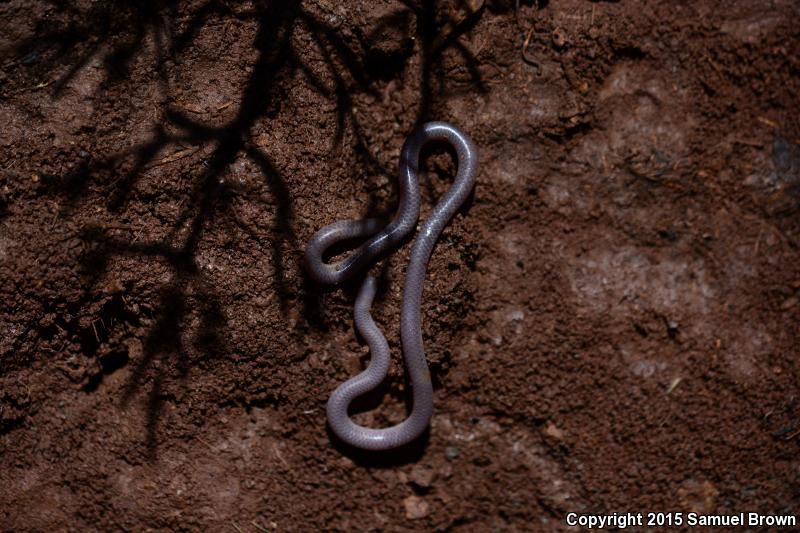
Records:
x=411, y=320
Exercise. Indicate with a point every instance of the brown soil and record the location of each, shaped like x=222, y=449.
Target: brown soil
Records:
x=612, y=321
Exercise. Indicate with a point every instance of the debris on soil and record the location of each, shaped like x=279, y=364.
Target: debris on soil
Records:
x=416, y=507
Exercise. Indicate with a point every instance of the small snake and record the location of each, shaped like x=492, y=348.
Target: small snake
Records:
x=411, y=320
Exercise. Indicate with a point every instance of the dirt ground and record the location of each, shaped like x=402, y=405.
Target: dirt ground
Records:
x=611, y=321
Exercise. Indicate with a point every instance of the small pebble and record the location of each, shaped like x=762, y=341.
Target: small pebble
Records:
x=29, y=59
x=559, y=38
x=452, y=453
x=551, y=430
x=474, y=5
x=114, y=287
x=422, y=476
x=416, y=508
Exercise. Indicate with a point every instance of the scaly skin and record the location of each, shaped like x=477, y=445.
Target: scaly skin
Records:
x=411, y=319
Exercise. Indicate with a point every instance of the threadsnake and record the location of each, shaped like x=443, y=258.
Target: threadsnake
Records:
x=378, y=243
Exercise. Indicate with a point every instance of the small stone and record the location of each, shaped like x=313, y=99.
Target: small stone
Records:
x=698, y=497
x=474, y=5
x=114, y=287
x=452, y=453
x=135, y=349
x=551, y=430
x=422, y=476
x=559, y=38
x=416, y=508
x=346, y=463
x=29, y=59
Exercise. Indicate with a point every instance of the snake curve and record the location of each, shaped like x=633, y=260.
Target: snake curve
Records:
x=378, y=243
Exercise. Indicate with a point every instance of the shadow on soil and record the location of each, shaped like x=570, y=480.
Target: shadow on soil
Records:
x=116, y=32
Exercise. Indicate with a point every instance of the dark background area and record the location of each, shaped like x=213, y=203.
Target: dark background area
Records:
x=611, y=323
